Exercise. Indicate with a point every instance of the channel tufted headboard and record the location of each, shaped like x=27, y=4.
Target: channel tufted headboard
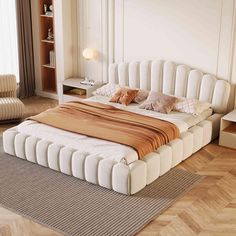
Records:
x=173, y=79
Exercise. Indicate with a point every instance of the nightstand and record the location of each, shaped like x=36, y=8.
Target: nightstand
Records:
x=228, y=130
x=72, y=89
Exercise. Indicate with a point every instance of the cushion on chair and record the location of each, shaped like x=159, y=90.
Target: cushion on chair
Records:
x=11, y=108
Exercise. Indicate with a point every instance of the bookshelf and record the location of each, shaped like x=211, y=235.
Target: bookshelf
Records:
x=47, y=46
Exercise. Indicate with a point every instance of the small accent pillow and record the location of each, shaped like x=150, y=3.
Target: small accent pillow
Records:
x=159, y=102
x=107, y=90
x=141, y=96
x=191, y=106
x=124, y=96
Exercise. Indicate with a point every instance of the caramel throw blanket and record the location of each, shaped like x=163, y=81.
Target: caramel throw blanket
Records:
x=144, y=134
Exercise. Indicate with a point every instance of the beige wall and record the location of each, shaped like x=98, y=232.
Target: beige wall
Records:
x=198, y=33
x=194, y=32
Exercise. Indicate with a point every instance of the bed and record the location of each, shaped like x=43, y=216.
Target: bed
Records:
x=116, y=166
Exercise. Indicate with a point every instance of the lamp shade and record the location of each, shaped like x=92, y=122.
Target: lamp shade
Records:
x=88, y=53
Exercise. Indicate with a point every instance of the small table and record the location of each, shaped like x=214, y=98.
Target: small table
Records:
x=228, y=130
x=72, y=89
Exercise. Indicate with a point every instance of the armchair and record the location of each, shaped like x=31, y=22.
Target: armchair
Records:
x=11, y=108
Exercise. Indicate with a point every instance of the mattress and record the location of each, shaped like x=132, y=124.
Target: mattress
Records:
x=105, y=149
x=182, y=120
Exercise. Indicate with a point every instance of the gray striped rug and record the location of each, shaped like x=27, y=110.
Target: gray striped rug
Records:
x=74, y=207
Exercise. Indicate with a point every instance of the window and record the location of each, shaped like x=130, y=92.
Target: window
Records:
x=8, y=39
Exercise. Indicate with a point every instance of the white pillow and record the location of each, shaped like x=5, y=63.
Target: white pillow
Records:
x=107, y=90
x=191, y=106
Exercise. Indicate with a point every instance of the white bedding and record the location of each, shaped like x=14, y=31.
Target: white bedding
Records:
x=106, y=149
x=182, y=120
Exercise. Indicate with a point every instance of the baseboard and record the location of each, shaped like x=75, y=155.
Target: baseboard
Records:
x=46, y=94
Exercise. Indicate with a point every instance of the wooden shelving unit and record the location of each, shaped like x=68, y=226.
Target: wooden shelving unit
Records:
x=47, y=41
x=48, y=71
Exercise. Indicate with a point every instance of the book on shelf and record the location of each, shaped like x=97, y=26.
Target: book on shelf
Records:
x=52, y=58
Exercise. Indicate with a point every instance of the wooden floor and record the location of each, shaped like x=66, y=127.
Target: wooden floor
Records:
x=209, y=209
x=33, y=106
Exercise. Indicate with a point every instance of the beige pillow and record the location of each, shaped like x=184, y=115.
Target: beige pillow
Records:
x=141, y=96
x=191, y=106
x=159, y=102
x=124, y=96
x=107, y=90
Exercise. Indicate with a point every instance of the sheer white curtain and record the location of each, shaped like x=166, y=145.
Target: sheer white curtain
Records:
x=8, y=38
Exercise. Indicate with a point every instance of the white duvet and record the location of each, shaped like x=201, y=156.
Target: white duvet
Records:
x=106, y=149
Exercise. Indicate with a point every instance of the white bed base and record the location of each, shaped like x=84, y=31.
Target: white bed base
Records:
x=122, y=178
x=166, y=77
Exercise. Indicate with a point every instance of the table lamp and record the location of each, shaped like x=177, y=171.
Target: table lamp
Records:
x=88, y=54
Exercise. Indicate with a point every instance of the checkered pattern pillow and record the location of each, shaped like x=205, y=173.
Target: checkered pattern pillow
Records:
x=108, y=90
x=191, y=106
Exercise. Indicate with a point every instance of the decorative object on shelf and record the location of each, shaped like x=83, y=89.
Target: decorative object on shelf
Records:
x=51, y=8
x=49, y=11
x=87, y=81
x=45, y=8
x=50, y=34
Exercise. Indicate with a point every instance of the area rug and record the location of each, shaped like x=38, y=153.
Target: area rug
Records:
x=74, y=207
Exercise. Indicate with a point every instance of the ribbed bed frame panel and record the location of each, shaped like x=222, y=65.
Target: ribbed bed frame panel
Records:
x=173, y=79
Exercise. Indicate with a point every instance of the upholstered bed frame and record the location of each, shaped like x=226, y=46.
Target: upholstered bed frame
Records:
x=167, y=77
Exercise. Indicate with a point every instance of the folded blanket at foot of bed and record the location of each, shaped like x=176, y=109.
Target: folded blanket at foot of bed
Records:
x=144, y=134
